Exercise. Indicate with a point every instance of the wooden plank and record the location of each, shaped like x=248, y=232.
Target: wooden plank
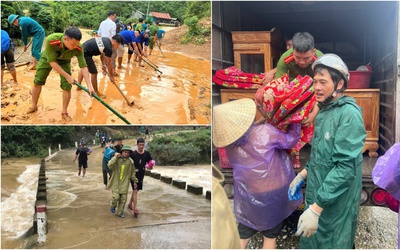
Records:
x=249, y=37
x=249, y=47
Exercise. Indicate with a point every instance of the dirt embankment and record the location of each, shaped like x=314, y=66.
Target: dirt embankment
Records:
x=173, y=37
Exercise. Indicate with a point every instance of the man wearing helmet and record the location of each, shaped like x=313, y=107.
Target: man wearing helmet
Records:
x=333, y=171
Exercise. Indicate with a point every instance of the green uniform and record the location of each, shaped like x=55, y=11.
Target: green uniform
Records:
x=334, y=173
x=56, y=52
x=153, y=33
x=287, y=65
x=139, y=27
x=123, y=171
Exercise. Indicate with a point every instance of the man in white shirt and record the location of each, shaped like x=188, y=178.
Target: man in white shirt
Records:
x=108, y=28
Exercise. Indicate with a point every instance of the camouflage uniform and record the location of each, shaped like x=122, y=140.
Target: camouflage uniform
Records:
x=56, y=52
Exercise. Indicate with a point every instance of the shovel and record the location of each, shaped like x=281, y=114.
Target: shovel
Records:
x=150, y=65
x=120, y=91
x=102, y=102
x=155, y=65
x=160, y=49
x=29, y=44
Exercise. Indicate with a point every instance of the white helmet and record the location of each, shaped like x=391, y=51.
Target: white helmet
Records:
x=335, y=62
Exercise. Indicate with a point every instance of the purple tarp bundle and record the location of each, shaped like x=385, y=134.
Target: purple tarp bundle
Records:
x=262, y=172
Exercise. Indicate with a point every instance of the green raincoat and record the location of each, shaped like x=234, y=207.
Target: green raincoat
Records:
x=334, y=173
x=123, y=171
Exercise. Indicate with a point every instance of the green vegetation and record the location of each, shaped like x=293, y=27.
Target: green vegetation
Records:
x=195, y=12
x=171, y=145
x=182, y=148
x=24, y=141
x=56, y=16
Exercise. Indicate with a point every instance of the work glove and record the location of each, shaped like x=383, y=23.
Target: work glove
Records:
x=308, y=223
x=294, y=192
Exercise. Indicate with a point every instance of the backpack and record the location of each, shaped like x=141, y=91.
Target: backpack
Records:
x=108, y=154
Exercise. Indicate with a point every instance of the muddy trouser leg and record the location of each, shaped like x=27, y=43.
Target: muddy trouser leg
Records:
x=121, y=203
x=114, y=199
x=105, y=177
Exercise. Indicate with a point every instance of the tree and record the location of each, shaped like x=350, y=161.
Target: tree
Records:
x=61, y=18
x=198, y=8
x=43, y=16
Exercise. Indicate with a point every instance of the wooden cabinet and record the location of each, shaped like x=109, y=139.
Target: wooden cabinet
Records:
x=367, y=99
x=256, y=51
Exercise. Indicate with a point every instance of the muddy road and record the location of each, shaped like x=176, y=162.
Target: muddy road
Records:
x=180, y=96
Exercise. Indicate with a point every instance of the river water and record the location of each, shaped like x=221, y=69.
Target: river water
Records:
x=78, y=208
x=19, y=180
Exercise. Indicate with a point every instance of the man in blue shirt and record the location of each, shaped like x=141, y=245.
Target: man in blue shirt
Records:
x=144, y=37
x=7, y=56
x=30, y=27
x=131, y=38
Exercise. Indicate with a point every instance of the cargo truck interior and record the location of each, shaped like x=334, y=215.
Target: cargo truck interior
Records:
x=360, y=32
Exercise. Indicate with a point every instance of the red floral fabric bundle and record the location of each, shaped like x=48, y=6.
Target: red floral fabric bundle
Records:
x=232, y=77
x=300, y=90
x=269, y=97
x=283, y=103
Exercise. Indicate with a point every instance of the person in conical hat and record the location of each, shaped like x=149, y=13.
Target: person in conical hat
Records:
x=262, y=169
x=233, y=119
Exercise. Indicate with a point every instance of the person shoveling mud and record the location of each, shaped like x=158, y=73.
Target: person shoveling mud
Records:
x=103, y=47
x=29, y=27
x=60, y=48
x=7, y=56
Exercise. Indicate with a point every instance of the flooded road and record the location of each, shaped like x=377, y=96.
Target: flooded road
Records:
x=181, y=95
x=79, y=216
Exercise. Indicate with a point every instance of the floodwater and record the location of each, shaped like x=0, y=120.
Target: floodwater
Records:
x=78, y=207
x=19, y=180
x=181, y=95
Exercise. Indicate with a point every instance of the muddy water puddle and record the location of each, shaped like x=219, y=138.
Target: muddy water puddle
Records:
x=181, y=95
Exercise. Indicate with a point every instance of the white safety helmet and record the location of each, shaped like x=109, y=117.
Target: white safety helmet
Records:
x=335, y=62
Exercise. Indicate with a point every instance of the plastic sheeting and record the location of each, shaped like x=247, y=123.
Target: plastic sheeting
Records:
x=386, y=174
x=262, y=172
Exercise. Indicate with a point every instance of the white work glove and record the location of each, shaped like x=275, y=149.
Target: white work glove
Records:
x=308, y=223
x=294, y=192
